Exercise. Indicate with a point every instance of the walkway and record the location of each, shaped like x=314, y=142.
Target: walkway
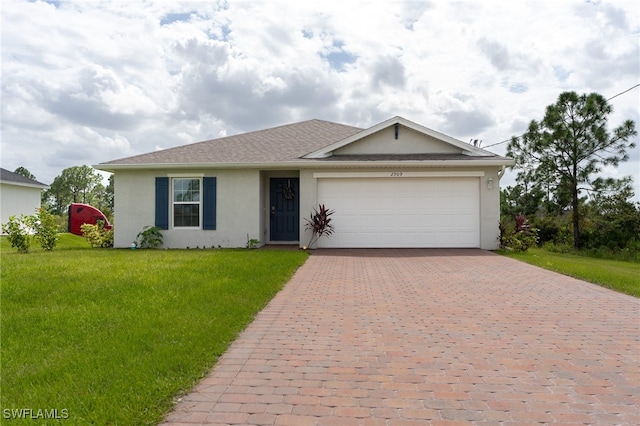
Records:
x=402, y=337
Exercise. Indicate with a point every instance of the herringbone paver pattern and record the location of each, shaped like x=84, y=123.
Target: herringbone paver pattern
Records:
x=403, y=337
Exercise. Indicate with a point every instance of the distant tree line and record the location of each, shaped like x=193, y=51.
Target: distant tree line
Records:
x=559, y=187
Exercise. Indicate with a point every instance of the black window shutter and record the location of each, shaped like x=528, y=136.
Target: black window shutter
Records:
x=162, y=202
x=209, y=203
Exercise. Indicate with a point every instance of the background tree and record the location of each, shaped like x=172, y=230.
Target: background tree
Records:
x=74, y=185
x=81, y=181
x=515, y=200
x=57, y=197
x=615, y=218
x=110, y=193
x=569, y=146
x=101, y=197
x=24, y=172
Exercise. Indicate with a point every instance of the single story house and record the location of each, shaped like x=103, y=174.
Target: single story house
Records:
x=19, y=195
x=396, y=184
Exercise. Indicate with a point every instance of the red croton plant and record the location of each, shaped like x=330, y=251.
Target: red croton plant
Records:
x=319, y=224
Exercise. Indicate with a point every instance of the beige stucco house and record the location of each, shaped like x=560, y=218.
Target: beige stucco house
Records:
x=18, y=195
x=396, y=184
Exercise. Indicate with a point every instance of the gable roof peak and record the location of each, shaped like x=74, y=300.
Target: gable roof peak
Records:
x=398, y=120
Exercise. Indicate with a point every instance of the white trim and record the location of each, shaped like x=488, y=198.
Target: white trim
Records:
x=185, y=175
x=25, y=184
x=400, y=173
x=308, y=164
x=173, y=203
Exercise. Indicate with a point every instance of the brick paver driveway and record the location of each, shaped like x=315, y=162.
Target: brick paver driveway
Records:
x=428, y=336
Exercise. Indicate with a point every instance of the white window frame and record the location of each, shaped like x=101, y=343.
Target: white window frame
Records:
x=174, y=203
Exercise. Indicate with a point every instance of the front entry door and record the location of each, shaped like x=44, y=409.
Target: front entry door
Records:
x=285, y=209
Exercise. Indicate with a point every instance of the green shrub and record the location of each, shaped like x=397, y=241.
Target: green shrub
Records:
x=521, y=238
x=149, y=237
x=502, y=234
x=19, y=233
x=631, y=253
x=521, y=241
x=97, y=235
x=62, y=223
x=565, y=236
x=42, y=226
x=548, y=229
x=558, y=247
x=46, y=229
x=627, y=254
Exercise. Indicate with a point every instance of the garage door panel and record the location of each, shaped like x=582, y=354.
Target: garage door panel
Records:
x=350, y=204
x=428, y=206
x=466, y=223
x=355, y=223
x=453, y=222
x=406, y=212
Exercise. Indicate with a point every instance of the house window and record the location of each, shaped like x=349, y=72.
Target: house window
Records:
x=186, y=202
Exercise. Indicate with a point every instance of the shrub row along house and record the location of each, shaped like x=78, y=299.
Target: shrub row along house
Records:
x=396, y=184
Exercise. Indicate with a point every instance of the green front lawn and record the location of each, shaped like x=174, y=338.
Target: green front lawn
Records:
x=614, y=274
x=113, y=336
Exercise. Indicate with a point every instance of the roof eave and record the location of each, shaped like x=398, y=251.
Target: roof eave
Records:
x=25, y=184
x=412, y=163
x=310, y=163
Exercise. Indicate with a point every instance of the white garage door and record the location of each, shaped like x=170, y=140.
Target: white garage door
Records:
x=402, y=212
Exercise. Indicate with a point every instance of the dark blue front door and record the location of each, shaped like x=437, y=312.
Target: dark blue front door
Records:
x=285, y=209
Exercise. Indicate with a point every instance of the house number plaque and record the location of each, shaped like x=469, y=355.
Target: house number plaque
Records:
x=396, y=174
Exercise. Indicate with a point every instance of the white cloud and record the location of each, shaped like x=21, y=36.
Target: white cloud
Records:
x=86, y=82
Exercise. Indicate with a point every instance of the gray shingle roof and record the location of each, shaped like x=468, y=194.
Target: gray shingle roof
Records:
x=7, y=176
x=277, y=144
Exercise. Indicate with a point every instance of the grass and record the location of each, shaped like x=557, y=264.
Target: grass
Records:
x=113, y=336
x=614, y=274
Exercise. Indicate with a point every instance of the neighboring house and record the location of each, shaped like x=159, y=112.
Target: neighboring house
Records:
x=18, y=195
x=396, y=184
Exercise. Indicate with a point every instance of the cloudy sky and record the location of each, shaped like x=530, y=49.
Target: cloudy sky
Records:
x=85, y=82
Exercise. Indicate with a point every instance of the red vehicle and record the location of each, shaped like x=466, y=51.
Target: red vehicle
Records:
x=80, y=214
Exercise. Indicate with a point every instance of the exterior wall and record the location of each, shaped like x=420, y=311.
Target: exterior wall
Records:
x=490, y=209
x=409, y=142
x=489, y=199
x=243, y=205
x=308, y=201
x=16, y=200
x=237, y=210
